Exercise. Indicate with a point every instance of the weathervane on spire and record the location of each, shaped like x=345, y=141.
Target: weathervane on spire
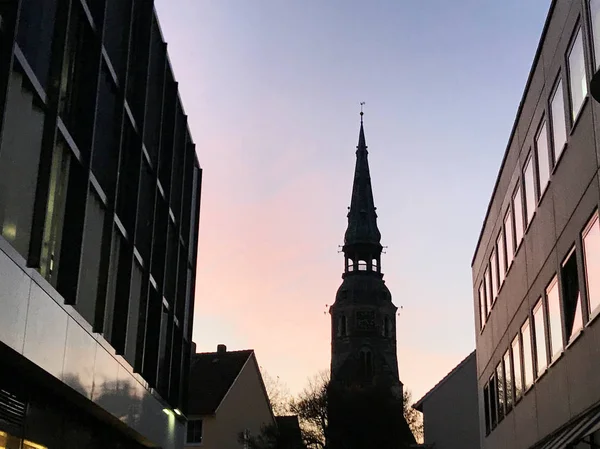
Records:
x=362, y=103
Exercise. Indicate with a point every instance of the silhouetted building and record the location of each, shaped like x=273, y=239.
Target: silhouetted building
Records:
x=363, y=317
x=450, y=410
x=227, y=398
x=536, y=269
x=99, y=207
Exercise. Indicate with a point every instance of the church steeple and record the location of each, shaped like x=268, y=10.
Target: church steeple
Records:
x=362, y=247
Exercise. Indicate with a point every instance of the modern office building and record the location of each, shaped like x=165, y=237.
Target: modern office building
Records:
x=536, y=268
x=99, y=209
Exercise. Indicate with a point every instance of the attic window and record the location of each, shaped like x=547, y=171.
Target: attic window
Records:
x=374, y=264
x=194, y=431
x=362, y=265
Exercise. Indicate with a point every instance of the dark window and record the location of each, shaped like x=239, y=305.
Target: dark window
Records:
x=90, y=259
x=168, y=134
x=571, y=296
x=111, y=288
x=387, y=327
x=194, y=431
x=493, y=402
x=171, y=273
x=106, y=137
x=165, y=351
x=34, y=36
x=175, y=379
x=152, y=337
x=182, y=270
x=129, y=175
x=145, y=214
x=79, y=75
x=186, y=209
x=156, y=79
x=133, y=315
x=138, y=58
x=116, y=33
x=19, y=160
x=195, y=211
x=178, y=158
x=486, y=408
x=342, y=326
x=160, y=242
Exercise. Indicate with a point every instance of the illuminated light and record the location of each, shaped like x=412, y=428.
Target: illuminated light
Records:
x=178, y=412
x=31, y=444
x=9, y=230
x=168, y=412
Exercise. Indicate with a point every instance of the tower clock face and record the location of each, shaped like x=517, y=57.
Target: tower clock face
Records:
x=365, y=320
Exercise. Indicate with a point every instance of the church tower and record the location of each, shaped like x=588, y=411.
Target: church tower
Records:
x=363, y=324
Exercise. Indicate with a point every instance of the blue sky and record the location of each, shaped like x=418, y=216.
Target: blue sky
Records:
x=272, y=91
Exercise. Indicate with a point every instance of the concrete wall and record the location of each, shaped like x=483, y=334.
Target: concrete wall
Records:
x=246, y=406
x=35, y=322
x=450, y=413
x=569, y=386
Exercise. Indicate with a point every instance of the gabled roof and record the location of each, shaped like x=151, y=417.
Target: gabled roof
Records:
x=212, y=374
x=419, y=404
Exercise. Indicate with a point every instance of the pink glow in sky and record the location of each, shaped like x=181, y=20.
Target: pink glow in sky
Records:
x=272, y=91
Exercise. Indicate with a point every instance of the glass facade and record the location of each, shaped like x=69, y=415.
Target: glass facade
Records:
x=559, y=122
x=543, y=158
x=99, y=178
x=578, y=83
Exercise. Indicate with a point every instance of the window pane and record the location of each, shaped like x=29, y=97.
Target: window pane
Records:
x=559, y=124
x=571, y=297
x=486, y=406
x=493, y=400
x=500, y=384
x=90, y=259
x=501, y=258
x=494, y=265
x=488, y=289
x=577, y=76
x=510, y=245
x=595, y=18
x=591, y=251
x=529, y=190
x=482, y=305
x=540, y=337
x=508, y=379
x=133, y=315
x=541, y=146
x=19, y=160
x=516, y=360
x=518, y=208
x=55, y=211
x=527, y=355
x=556, y=334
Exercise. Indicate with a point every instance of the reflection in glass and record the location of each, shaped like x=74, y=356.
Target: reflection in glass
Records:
x=508, y=379
x=494, y=274
x=482, y=305
x=488, y=289
x=559, y=123
x=577, y=76
x=510, y=244
x=518, y=208
x=556, y=334
x=541, y=146
x=540, y=337
x=501, y=390
x=529, y=189
x=501, y=258
x=591, y=251
x=516, y=363
x=55, y=211
x=527, y=355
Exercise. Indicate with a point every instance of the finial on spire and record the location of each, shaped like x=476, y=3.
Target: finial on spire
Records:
x=362, y=103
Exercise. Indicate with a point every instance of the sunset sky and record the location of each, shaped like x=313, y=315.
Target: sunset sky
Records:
x=272, y=91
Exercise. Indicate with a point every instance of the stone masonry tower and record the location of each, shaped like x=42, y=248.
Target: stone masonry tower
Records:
x=363, y=324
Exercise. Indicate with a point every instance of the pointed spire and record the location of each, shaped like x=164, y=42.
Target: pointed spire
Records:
x=362, y=218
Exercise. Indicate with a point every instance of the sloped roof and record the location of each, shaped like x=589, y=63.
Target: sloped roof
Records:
x=211, y=376
x=419, y=404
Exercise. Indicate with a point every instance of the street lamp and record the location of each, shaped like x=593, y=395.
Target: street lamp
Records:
x=595, y=86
